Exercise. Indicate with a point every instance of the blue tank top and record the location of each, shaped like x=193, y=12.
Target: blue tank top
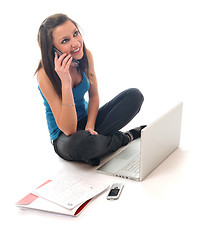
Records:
x=80, y=104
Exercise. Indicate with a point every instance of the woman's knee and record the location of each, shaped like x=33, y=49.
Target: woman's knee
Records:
x=136, y=95
x=81, y=139
x=135, y=98
x=72, y=147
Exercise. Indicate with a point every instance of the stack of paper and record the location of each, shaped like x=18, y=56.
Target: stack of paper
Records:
x=67, y=194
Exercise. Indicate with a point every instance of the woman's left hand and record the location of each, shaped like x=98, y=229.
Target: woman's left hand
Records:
x=92, y=131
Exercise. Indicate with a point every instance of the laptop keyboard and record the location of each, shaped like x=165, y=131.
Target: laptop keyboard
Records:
x=132, y=166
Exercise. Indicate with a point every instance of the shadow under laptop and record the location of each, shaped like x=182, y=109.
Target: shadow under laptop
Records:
x=171, y=166
x=168, y=175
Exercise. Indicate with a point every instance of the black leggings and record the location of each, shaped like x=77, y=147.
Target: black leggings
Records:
x=114, y=115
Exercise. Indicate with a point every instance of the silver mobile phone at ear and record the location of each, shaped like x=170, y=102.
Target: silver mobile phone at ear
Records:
x=60, y=53
x=115, y=191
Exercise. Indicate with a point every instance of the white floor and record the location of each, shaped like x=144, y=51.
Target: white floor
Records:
x=156, y=46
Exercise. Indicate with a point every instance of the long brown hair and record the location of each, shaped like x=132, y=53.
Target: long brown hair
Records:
x=45, y=41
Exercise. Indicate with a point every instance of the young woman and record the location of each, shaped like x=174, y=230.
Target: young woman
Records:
x=79, y=131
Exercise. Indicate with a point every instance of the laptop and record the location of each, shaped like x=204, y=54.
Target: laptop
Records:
x=140, y=157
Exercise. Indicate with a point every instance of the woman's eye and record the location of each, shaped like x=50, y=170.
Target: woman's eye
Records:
x=76, y=33
x=65, y=40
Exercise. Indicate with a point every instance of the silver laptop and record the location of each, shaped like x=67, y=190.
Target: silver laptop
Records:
x=158, y=140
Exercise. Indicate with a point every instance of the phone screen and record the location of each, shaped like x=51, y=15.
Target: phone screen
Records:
x=114, y=192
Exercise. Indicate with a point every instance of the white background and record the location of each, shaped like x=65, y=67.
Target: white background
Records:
x=156, y=46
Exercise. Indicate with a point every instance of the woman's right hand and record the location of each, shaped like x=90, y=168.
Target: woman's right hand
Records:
x=61, y=66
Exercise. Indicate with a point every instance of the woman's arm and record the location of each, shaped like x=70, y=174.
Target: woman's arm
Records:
x=93, y=97
x=64, y=110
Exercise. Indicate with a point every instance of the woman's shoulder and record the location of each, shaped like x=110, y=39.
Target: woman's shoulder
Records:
x=44, y=82
x=91, y=65
x=89, y=55
x=43, y=79
x=42, y=76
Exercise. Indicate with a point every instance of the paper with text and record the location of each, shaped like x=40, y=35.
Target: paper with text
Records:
x=70, y=190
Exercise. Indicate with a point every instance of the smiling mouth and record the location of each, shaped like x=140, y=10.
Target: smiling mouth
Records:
x=75, y=51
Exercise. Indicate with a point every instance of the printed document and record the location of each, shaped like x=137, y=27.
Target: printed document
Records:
x=70, y=190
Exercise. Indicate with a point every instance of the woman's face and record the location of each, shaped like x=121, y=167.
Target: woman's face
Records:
x=67, y=39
